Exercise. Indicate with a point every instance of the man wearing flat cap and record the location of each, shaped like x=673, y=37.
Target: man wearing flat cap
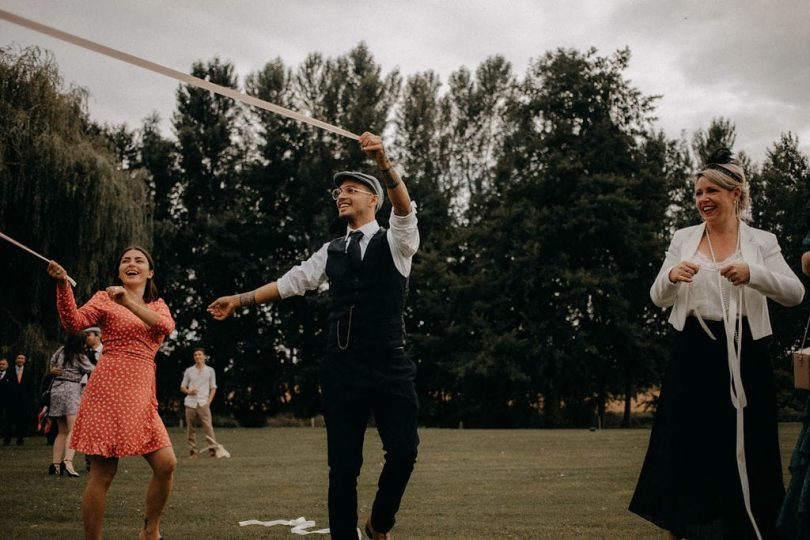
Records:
x=365, y=369
x=92, y=340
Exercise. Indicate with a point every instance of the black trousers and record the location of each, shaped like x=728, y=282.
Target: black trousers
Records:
x=6, y=421
x=356, y=384
x=19, y=415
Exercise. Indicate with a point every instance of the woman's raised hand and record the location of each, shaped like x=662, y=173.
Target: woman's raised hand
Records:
x=118, y=294
x=58, y=273
x=737, y=273
x=683, y=271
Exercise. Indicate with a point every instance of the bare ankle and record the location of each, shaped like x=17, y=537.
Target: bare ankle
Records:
x=150, y=528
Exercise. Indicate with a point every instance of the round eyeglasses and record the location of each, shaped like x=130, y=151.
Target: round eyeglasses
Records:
x=348, y=191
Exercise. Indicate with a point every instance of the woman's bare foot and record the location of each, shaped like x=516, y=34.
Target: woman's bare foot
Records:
x=147, y=534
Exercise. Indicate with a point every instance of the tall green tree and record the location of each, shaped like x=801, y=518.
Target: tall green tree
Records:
x=63, y=193
x=196, y=185
x=563, y=246
x=780, y=192
x=423, y=147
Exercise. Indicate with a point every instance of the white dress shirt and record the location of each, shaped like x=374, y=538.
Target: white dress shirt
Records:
x=403, y=239
x=203, y=380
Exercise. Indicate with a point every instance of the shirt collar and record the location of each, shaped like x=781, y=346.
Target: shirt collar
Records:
x=369, y=229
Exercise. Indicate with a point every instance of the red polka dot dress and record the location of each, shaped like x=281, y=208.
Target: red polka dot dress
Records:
x=118, y=414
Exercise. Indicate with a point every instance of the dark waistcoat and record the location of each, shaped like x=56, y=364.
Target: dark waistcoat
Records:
x=366, y=299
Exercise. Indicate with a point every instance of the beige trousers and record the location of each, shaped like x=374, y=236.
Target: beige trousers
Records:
x=203, y=412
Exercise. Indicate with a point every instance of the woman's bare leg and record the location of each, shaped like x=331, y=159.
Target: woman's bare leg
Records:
x=69, y=421
x=60, y=443
x=163, y=463
x=102, y=472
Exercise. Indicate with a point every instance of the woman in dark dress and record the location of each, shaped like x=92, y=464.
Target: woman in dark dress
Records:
x=713, y=468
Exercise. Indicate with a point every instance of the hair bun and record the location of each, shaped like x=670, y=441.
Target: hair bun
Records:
x=721, y=156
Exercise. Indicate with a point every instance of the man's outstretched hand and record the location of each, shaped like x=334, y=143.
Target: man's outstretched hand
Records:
x=223, y=307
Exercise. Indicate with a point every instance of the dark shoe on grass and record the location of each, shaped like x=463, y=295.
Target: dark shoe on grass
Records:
x=374, y=535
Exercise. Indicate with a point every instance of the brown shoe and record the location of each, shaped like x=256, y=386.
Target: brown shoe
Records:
x=374, y=535
x=192, y=454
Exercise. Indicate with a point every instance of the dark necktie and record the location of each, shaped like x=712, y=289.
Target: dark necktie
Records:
x=354, y=247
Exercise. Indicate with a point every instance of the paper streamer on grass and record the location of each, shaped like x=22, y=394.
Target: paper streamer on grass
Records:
x=172, y=73
x=298, y=526
x=32, y=252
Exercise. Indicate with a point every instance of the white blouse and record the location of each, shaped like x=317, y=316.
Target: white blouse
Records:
x=704, y=292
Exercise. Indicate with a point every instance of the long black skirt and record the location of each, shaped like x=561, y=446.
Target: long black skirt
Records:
x=689, y=484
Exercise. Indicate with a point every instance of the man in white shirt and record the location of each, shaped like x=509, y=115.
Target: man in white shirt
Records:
x=366, y=369
x=199, y=385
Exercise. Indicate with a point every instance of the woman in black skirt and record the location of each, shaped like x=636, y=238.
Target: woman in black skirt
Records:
x=713, y=468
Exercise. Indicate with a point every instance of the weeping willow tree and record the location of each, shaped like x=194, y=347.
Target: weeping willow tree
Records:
x=63, y=193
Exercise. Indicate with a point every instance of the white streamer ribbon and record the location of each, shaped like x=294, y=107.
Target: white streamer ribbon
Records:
x=733, y=314
x=32, y=252
x=298, y=526
x=172, y=73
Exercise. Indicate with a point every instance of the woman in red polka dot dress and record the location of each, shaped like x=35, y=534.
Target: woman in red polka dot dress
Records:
x=118, y=413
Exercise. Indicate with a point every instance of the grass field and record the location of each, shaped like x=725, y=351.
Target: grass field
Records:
x=471, y=484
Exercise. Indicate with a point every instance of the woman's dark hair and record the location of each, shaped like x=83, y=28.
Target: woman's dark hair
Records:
x=150, y=292
x=75, y=346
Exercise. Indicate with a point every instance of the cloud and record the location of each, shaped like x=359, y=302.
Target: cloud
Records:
x=746, y=61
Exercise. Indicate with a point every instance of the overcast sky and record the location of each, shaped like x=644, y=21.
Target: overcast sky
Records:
x=747, y=61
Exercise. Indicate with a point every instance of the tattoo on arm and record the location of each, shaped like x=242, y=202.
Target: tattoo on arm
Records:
x=247, y=299
x=390, y=177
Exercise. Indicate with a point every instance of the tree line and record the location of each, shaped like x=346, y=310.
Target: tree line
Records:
x=545, y=204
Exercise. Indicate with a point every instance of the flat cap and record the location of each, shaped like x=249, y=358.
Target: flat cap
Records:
x=366, y=179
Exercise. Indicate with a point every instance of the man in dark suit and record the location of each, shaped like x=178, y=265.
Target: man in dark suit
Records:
x=21, y=399
x=5, y=399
